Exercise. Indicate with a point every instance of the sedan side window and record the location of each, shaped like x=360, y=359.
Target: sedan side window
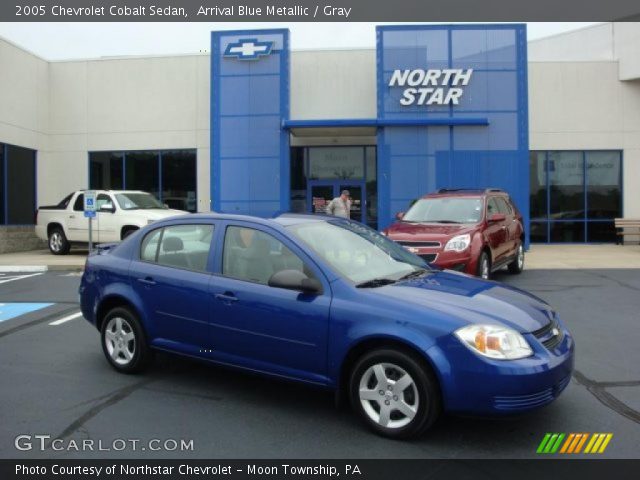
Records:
x=254, y=256
x=149, y=246
x=179, y=246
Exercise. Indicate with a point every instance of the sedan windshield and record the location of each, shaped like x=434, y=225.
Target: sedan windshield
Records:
x=359, y=253
x=138, y=201
x=445, y=210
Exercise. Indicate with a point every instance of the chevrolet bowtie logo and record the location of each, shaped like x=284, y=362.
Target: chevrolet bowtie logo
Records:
x=248, y=49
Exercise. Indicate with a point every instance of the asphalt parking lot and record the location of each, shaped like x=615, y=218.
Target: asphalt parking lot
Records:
x=55, y=381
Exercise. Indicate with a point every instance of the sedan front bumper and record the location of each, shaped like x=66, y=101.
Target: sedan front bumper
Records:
x=476, y=385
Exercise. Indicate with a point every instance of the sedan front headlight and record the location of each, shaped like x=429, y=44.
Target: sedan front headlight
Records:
x=458, y=243
x=495, y=342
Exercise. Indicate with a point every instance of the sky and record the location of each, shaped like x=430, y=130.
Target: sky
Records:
x=67, y=41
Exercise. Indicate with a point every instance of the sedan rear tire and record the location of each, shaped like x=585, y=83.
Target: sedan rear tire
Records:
x=124, y=342
x=394, y=393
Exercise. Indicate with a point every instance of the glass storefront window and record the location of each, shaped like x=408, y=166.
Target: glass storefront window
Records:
x=538, y=232
x=318, y=174
x=169, y=175
x=566, y=184
x=567, y=232
x=340, y=163
x=17, y=185
x=298, y=181
x=179, y=180
x=372, y=186
x=538, y=184
x=601, y=232
x=142, y=172
x=106, y=170
x=604, y=184
x=584, y=189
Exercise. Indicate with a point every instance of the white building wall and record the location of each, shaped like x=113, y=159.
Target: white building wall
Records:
x=333, y=84
x=586, y=44
x=24, y=99
x=627, y=49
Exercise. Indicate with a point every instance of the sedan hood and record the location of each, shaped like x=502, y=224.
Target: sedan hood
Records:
x=468, y=300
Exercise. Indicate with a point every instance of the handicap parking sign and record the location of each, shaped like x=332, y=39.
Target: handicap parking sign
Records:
x=89, y=201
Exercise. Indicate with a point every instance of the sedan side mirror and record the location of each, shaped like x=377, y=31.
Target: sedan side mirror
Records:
x=107, y=208
x=497, y=217
x=399, y=215
x=295, y=280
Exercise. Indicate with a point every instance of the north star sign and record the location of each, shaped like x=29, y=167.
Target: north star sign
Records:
x=431, y=87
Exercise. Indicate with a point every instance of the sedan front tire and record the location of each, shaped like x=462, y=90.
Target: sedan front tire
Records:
x=394, y=393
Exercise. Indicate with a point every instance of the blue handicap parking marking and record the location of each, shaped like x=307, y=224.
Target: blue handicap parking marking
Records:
x=13, y=310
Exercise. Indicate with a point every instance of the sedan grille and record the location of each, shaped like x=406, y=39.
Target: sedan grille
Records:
x=429, y=257
x=525, y=402
x=419, y=244
x=550, y=335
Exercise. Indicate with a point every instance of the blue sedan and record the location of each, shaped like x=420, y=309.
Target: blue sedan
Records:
x=328, y=302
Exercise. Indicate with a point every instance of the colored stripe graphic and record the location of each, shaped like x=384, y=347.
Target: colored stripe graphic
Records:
x=581, y=443
x=607, y=439
x=567, y=442
x=550, y=443
x=573, y=443
x=598, y=443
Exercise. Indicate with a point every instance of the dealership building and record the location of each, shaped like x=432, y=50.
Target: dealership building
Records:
x=258, y=127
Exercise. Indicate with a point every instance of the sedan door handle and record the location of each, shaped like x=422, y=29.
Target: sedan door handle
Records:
x=72, y=216
x=226, y=297
x=147, y=281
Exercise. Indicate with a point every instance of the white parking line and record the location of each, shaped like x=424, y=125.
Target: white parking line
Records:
x=10, y=278
x=66, y=319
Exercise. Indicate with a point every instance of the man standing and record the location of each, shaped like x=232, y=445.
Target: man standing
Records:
x=340, y=206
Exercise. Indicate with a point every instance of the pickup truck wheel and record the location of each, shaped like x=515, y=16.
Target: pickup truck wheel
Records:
x=58, y=243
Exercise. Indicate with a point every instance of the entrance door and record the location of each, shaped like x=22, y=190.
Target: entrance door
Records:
x=321, y=192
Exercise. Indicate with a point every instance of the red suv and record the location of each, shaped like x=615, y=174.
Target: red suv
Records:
x=472, y=231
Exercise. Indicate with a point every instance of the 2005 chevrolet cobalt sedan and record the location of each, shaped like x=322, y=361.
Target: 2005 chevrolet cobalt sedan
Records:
x=330, y=302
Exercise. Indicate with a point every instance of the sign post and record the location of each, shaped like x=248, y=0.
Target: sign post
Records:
x=90, y=213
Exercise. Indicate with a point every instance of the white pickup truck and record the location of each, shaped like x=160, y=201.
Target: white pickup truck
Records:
x=119, y=213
